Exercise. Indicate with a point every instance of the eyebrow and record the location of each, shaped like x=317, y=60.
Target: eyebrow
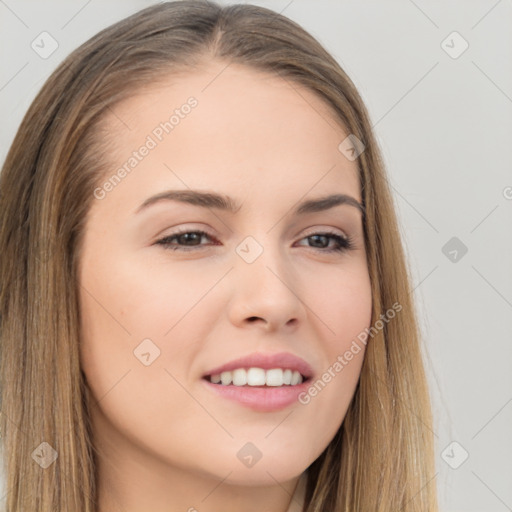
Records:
x=226, y=203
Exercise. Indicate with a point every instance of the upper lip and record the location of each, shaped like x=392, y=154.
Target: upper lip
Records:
x=284, y=360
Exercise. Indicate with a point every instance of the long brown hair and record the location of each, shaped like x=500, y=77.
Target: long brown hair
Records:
x=382, y=457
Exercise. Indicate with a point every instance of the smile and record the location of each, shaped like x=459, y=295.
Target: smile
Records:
x=274, y=377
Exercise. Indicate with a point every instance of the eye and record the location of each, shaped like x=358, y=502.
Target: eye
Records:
x=189, y=240
x=342, y=243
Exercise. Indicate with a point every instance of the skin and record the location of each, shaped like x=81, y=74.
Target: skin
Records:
x=166, y=442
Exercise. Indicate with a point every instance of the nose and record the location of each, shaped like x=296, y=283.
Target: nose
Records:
x=266, y=293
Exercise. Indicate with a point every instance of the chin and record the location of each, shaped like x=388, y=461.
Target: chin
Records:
x=261, y=475
x=252, y=466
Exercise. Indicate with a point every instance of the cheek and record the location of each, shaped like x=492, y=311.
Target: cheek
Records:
x=132, y=368
x=151, y=296
x=345, y=308
x=126, y=302
x=138, y=329
x=343, y=305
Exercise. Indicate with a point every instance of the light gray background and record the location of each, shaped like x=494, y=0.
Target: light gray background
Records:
x=445, y=127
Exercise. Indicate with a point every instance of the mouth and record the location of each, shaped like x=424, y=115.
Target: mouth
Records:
x=259, y=389
x=255, y=377
x=263, y=382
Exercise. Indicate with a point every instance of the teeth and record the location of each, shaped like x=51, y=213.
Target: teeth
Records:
x=255, y=377
x=296, y=378
x=274, y=377
x=226, y=378
x=240, y=377
x=258, y=377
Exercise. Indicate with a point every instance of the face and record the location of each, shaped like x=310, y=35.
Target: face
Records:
x=174, y=289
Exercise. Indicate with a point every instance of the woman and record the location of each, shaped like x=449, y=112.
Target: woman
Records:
x=277, y=366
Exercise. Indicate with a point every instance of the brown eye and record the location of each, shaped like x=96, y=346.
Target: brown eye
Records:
x=321, y=242
x=183, y=241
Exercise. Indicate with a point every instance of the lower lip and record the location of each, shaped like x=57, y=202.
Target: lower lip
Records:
x=263, y=399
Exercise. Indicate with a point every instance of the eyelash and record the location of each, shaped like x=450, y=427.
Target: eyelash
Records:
x=343, y=243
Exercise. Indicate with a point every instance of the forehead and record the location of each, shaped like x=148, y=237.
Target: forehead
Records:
x=247, y=127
